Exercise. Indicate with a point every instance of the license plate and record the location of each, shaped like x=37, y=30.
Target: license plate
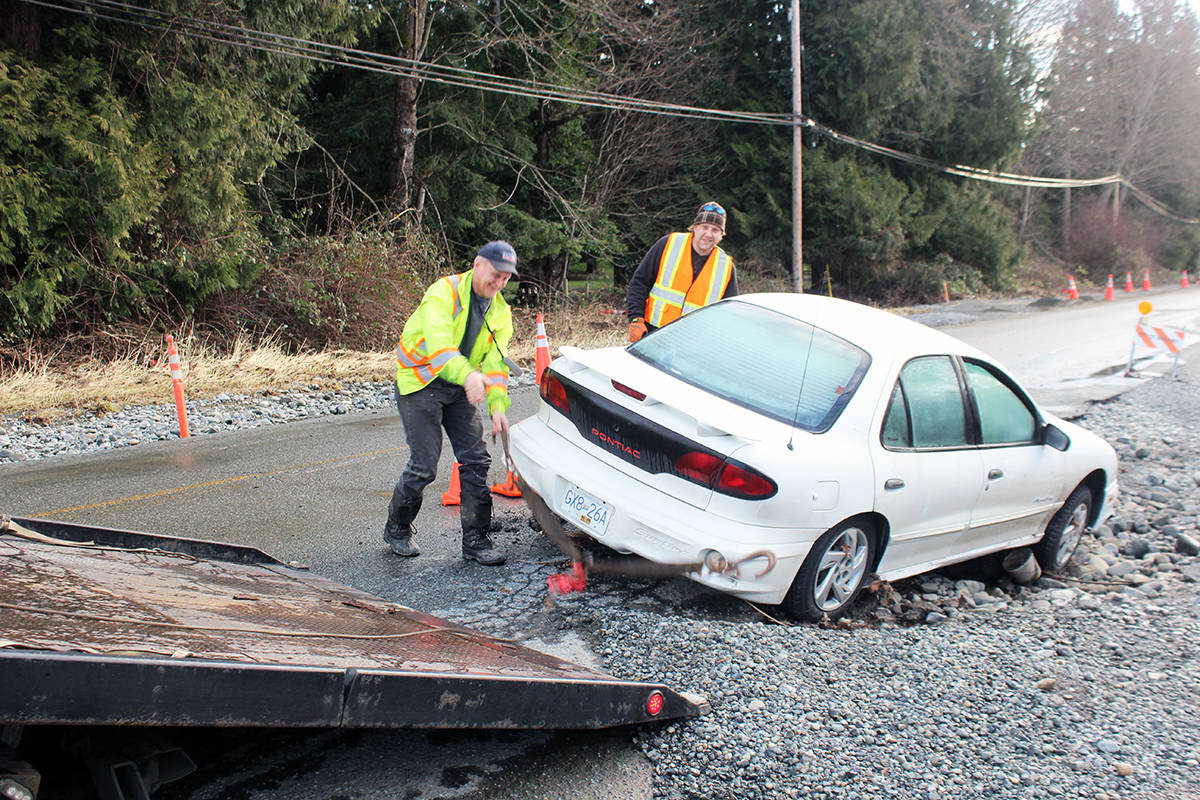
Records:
x=589, y=513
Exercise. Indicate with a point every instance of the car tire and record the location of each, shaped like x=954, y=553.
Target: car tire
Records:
x=1064, y=531
x=834, y=572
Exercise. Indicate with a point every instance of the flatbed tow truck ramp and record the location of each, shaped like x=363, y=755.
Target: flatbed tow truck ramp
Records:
x=109, y=627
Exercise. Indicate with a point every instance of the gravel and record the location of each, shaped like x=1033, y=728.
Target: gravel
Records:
x=958, y=684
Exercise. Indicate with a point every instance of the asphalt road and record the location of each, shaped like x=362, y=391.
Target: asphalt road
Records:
x=316, y=491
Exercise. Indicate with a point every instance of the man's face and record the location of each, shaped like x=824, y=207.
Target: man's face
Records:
x=705, y=237
x=487, y=280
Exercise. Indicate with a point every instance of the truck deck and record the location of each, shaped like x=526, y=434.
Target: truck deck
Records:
x=101, y=626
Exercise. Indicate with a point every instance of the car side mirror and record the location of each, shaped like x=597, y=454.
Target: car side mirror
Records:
x=1052, y=436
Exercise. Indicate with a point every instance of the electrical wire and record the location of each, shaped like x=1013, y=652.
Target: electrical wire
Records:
x=336, y=55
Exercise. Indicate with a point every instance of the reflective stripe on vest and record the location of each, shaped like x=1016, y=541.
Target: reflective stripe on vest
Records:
x=674, y=292
x=497, y=381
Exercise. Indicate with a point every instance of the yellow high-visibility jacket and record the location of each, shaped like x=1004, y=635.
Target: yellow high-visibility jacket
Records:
x=428, y=346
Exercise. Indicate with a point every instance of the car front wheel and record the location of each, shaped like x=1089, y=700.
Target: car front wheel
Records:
x=1064, y=531
x=834, y=572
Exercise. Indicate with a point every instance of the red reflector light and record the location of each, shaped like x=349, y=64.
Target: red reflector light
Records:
x=713, y=471
x=554, y=393
x=742, y=482
x=654, y=704
x=634, y=393
x=699, y=467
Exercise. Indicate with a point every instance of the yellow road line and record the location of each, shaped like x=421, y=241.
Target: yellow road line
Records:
x=209, y=484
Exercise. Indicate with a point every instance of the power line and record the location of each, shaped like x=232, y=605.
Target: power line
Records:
x=336, y=55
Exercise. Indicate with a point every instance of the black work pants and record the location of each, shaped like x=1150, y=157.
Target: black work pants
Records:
x=425, y=413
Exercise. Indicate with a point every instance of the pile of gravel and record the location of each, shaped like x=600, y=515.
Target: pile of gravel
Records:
x=1082, y=686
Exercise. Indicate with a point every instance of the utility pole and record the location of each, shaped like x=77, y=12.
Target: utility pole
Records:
x=797, y=159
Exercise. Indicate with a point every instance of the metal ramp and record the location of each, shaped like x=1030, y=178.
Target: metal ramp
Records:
x=101, y=626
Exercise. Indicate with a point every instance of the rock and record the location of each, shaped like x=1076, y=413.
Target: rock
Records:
x=1136, y=548
x=1186, y=544
x=1121, y=569
x=1047, y=684
x=1062, y=597
x=1123, y=768
x=935, y=617
x=1108, y=746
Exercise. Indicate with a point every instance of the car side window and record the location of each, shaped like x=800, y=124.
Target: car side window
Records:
x=896, y=431
x=1003, y=416
x=931, y=412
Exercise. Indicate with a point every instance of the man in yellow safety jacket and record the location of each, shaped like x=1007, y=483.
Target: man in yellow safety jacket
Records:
x=450, y=357
x=682, y=272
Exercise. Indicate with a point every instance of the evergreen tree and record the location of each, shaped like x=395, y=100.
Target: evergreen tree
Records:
x=132, y=158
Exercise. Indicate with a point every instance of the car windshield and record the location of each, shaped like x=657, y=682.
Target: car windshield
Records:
x=760, y=359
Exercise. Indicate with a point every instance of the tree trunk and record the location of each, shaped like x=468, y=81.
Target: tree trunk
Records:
x=404, y=115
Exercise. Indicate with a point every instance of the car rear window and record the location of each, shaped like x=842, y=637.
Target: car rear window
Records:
x=760, y=359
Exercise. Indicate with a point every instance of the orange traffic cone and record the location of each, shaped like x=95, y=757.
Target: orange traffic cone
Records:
x=1072, y=290
x=1108, y=290
x=509, y=488
x=1146, y=281
x=543, y=351
x=1184, y=281
x=453, y=495
x=177, y=385
x=1129, y=281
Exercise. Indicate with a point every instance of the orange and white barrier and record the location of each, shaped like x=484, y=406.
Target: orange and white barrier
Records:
x=177, y=385
x=1072, y=289
x=1129, y=281
x=1153, y=337
x=1108, y=289
x=1183, y=280
x=1169, y=339
x=1146, y=281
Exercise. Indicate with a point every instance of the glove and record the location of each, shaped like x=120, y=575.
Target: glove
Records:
x=637, y=329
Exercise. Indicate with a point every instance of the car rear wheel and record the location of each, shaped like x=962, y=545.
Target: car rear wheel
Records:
x=1064, y=531
x=834, y=572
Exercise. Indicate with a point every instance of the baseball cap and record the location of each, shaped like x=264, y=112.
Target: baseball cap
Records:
x=501, y=256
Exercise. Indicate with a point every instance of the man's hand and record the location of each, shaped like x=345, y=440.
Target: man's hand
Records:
x=637, y=329
x=499, y=424
x=475, y=386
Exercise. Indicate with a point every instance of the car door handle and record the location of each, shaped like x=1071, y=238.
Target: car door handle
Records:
x=995, y=473
x=893, y=483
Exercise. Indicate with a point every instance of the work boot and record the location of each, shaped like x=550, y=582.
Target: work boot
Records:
x=478, y=545
x=398, y=531
x=402, y=543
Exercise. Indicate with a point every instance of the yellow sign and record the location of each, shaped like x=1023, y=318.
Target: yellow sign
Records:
x=1145, y=307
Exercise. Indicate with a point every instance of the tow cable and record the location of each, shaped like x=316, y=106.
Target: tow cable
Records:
x=583, y=563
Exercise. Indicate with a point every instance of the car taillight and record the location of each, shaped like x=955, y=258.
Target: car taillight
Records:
x=709, y=469
x=554, y=393
x=634, y=393
x=743, y=482
x=699, y=467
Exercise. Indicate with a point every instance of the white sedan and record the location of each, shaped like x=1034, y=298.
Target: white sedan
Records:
x=794, y=445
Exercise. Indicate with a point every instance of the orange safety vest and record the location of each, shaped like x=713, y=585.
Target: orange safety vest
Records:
x=674, y=292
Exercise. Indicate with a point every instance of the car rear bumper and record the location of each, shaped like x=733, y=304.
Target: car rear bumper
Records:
x=654, y=525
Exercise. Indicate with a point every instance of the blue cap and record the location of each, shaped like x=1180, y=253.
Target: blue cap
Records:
x=501, y=256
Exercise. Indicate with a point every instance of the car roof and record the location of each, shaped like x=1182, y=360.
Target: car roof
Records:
x=877, y=331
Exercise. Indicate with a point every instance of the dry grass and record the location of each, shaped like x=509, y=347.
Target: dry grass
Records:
x=47, y=385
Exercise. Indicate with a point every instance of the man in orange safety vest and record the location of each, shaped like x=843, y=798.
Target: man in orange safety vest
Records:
x=682, y=272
